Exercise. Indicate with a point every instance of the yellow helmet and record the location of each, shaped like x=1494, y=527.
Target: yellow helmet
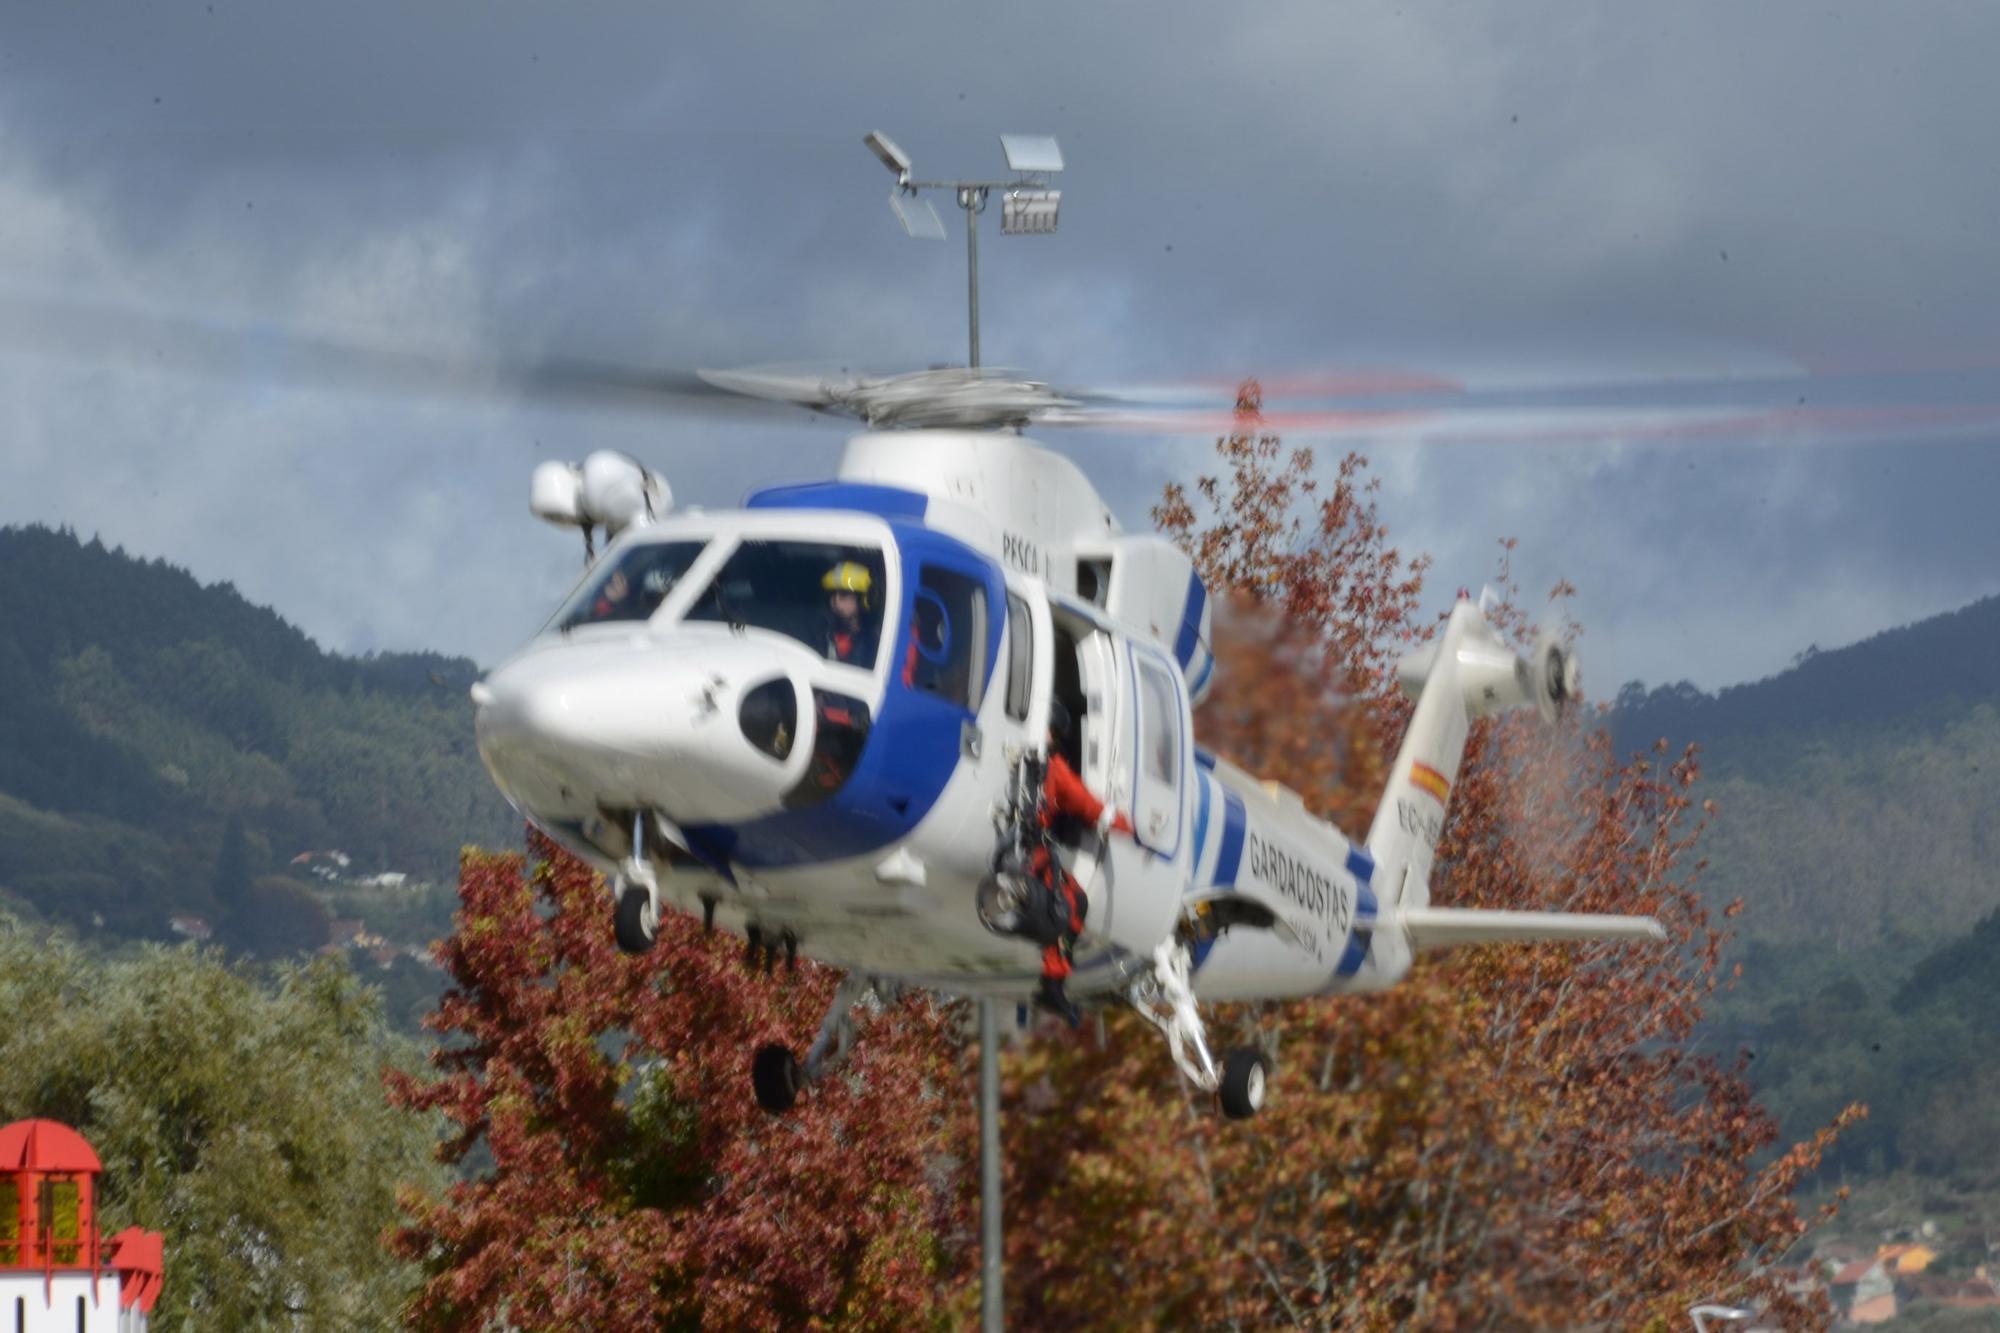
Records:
x=849, y=576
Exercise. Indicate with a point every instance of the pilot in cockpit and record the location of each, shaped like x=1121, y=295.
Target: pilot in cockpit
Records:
x=611, y=599
x=848, y=636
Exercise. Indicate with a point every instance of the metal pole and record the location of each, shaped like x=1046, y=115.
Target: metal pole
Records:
x=970, y=200
x=989, y=1141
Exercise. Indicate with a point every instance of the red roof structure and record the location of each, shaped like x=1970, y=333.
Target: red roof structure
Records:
x=43, y=1146
x=139, y=1259
x=48, y=1214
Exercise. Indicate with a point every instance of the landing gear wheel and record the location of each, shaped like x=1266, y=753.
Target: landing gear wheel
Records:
x=1245, y=1072
x=777, y=1075
x=633, y=923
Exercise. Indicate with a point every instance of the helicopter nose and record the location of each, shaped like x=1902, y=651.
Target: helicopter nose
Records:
x=578, y=729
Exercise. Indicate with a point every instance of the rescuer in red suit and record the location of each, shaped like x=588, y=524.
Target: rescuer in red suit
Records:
x=1066, y=804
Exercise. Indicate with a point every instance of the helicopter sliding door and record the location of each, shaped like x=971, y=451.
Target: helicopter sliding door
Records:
x=1160, y=745
x=1135, y=756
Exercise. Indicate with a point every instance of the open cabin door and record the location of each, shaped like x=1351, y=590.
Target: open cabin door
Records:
x=1106, y=722
x=1135, y=753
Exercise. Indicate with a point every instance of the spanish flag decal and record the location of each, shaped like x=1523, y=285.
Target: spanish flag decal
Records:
x=1430, y=780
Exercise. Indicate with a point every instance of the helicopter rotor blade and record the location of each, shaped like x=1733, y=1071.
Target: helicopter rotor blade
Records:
x=1913, y=403
x=1362, y=405
x=150, y=341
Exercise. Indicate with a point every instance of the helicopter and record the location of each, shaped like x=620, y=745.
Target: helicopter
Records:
x=686, y=723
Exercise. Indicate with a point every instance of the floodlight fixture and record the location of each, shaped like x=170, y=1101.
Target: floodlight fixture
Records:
x=1035, y=154
x=917, y=214
x=1029, y=212
x=1029, y=206
x=892, y=157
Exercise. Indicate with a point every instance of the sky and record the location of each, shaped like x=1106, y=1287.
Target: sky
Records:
x=1785, y=207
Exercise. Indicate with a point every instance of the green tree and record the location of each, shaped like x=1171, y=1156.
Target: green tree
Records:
x=232, y=871
x=239, y=1113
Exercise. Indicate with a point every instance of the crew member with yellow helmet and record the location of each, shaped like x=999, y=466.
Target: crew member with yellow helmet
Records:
x=849, y=638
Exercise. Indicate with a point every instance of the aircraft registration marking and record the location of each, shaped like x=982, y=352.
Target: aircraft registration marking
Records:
x=1419, y=822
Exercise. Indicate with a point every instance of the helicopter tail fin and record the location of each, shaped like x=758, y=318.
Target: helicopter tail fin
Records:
x=1467, y=672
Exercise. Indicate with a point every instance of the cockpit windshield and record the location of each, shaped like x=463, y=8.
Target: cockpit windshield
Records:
x=632, y=586
x=827, y=596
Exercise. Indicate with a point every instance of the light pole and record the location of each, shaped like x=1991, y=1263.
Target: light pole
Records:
x=1029, y=208
x=1029, y=205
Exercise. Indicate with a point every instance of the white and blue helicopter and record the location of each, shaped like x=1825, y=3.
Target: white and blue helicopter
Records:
x=685, y=724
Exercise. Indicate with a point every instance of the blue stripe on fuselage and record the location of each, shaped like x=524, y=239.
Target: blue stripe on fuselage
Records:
x=1234, y=818
x=1201, y=676
x=1190, y=635
x=1201, y=782
x=891, y=502
x=1360, y=937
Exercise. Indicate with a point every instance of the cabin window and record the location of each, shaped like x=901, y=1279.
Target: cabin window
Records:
x=947, y=651
x=1020, y=657
x=828, y=597
x=630, y=586
x=1161, y=746
x=10, y=1223
x=1093, y=581
x=62, y=1206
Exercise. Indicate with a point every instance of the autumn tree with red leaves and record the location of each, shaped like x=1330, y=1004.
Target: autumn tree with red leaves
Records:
x=1515, y=1137
x=631, y=1181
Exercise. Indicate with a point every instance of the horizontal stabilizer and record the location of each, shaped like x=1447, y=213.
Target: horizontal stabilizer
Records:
x=1442, y=927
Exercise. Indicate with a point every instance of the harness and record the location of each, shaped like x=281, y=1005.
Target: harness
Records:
x=1029, y=855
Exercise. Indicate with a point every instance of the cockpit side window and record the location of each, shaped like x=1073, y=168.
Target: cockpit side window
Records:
x=947, y=651
x=632, y=586
x=828, y=597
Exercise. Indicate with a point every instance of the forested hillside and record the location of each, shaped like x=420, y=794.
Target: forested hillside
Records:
x=1915, y=677
x=1857, y=814
x=142, y=713
x=1858, y=793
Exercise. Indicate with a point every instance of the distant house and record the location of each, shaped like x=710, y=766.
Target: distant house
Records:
x=384, y=956
x=1906, y=1259
x=324, y=865
x=190, y=927
x=1866, y=1291
x=343, y=931
x=388, y=879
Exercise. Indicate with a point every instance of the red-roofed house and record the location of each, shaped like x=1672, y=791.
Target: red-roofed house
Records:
x=56, y=1271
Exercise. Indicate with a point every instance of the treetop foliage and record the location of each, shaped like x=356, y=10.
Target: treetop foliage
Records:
x=241, y=1115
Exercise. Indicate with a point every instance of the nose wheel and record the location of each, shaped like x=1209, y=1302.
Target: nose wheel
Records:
x=634, y=923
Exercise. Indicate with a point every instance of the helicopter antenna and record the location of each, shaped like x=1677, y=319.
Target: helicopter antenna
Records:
x=1029, y=206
